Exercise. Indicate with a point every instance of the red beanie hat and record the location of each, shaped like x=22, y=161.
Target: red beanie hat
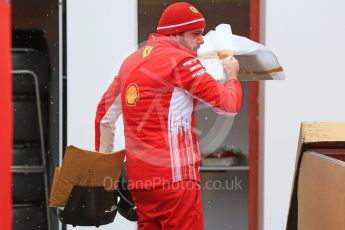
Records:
x=180, y=17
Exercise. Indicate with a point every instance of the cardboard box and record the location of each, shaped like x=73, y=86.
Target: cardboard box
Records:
x=318, y=190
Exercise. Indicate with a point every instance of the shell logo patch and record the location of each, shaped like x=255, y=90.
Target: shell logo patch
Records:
x=193, y=9
x=132, y=94
x=147, y=51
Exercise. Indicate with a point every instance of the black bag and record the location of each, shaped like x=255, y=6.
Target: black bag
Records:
x=89, y=206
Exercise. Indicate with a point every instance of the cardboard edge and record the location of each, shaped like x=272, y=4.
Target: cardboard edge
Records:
x=293, y=208
x=56, y=177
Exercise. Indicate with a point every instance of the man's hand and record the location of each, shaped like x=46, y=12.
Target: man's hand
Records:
x=231, y=67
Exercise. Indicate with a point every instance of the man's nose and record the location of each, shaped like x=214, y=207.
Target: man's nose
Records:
x=201, y=40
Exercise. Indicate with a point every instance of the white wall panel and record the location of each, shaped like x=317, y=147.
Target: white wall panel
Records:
x=99, y=35
x=308, y=37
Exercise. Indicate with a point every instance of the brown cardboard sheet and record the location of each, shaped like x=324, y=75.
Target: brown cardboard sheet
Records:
x=85, y=168
x=321, y=193
x=313, y=135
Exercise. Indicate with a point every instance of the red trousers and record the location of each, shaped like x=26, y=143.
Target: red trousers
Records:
x=177, y=206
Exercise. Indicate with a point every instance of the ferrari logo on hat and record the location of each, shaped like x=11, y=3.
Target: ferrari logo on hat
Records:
x=132, y=94
x=147, y=51
x=193, y=9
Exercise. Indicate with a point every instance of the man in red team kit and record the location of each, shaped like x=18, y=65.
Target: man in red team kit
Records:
x=157, y=89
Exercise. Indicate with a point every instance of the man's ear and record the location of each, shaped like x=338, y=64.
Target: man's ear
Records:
x=175, y=37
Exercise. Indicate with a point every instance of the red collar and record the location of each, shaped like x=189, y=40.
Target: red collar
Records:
x=159, y=39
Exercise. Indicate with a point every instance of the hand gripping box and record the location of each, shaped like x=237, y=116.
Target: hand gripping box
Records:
x=318, y=190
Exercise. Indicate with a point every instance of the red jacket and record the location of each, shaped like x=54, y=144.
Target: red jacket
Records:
x=157, y=90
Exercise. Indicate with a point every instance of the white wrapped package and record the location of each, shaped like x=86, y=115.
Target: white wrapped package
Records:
x=256, y=61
